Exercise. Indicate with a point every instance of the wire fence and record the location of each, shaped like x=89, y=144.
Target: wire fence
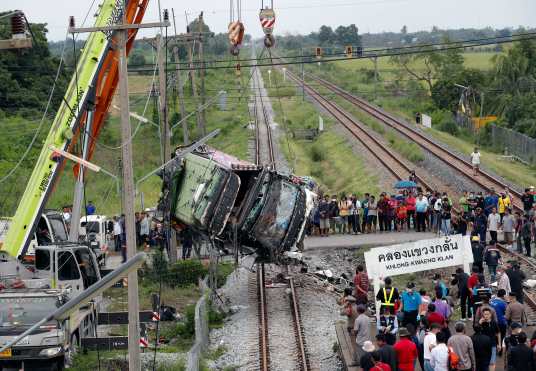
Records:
x=514, y=143
x=201, y=334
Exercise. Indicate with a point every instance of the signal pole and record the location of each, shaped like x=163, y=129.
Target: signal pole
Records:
x=180, y=89
x=202, y=72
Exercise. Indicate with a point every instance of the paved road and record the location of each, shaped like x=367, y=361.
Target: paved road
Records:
x=372, y=239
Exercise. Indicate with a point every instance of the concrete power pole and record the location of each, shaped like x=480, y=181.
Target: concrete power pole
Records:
x=200, y=24
x=128, y=207
x=128, y=180
x=200, y=123
x=180, y=89
x=166, y=134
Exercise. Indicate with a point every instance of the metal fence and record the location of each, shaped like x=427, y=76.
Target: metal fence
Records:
x=514, y=143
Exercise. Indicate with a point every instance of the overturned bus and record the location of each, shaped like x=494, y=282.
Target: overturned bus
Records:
x=220, y=195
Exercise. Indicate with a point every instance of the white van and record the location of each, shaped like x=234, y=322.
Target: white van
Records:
x=97, y=231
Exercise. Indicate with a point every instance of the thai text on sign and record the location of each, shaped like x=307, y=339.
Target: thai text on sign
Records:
x=419, y=256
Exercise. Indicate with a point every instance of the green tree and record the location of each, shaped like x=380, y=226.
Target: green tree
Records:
x=326, y=35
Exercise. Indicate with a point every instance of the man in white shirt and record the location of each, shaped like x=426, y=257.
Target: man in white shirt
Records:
x=429, y=343
x=118, y=230
x=494, y=220
x=439, y=356
x=475, y=161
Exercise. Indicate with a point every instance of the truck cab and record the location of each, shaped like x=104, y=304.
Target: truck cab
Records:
x=53, y=344
x=50, y=229
x=69, y=267
x=95, y=230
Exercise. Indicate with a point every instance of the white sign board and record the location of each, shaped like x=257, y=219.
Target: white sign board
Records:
x=419, y=256
x=426, y=121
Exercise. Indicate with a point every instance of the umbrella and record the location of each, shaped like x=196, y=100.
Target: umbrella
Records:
x=405, y=184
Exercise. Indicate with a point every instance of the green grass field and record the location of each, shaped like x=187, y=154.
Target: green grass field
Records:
x=329, y=159
x=482, y=61
x=102, y=189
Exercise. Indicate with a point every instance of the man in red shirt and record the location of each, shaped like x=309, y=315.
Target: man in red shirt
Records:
x=435, y=317
x=410, y=205
x=378, y=364
x=361, y=284
x=406, y=351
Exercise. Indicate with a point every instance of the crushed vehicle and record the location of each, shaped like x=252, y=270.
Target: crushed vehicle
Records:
x=219, y=195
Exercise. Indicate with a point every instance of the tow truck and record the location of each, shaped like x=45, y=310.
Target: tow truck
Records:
x=59, y=270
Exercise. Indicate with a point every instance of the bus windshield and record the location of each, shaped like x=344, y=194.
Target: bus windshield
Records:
x=276, y=215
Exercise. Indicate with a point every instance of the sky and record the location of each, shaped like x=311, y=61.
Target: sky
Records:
x=300, y=16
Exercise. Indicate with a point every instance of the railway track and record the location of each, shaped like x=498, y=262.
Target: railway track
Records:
x=398, y=168
x=264, y=148
x=485, y=180
x=275, y=318
x=278, y=310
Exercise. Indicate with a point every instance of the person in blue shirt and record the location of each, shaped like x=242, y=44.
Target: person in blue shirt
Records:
x=439, y=286
x=410, y=302
x=499, y=304
x=90, y=208
x=490, y=201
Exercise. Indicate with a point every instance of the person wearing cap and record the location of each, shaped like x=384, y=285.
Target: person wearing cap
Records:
x=429, y=343
x=410, y=305
x=406, y=351
x=361, y=331
x=482, y=346
x=515, y=311
x=349, y=310
x=462, y=345
x=387, y=324
x=511, y=340
x=477, y=249
x=366, y=362
x=388, y=296
x=521, y=357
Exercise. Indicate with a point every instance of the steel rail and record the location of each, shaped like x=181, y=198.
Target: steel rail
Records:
x=379, y=150
x=263, y=320
x=450, y=158
x=300, y=341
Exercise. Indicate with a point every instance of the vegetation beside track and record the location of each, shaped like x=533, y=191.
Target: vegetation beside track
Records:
x=329, y=158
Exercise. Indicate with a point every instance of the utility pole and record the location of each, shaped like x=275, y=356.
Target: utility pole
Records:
x=180, y=89
x=200, y=122
x=302, y=75
x=128, y=206
x=375, y=77
x=200, y=24
x=122, y=32
x=166, y=135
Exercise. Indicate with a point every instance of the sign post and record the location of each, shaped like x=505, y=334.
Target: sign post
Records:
x=417, y=256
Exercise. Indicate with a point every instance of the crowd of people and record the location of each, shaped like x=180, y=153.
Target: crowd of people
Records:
x=412, y=209
x=412, y=326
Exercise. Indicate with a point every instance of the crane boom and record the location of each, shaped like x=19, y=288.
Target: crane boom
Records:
x=66, y=121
